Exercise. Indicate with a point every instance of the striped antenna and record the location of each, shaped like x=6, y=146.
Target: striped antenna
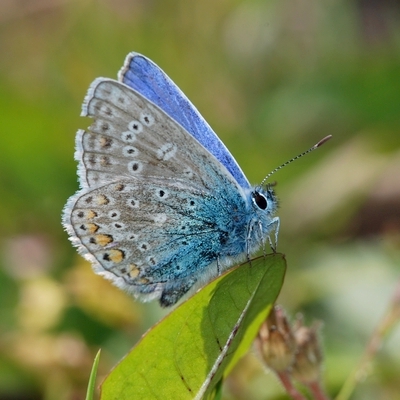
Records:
x=319, y=144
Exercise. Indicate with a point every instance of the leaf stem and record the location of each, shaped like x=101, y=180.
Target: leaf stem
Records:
x=317, y=391
x=287, y=383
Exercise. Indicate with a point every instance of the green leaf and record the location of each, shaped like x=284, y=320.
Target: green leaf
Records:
x=193, y=348
x=92, y=379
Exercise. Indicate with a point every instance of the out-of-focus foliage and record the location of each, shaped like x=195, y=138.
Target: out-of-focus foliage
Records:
x=272, y=78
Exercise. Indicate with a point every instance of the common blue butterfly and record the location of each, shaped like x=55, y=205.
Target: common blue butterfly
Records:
x=163, y=205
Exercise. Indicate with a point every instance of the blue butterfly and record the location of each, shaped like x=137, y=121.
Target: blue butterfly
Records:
x=163, y=206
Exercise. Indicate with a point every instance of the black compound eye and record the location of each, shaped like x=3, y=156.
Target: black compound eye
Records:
x=260, y=200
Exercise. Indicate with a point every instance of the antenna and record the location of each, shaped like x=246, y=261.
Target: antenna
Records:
x=319, y=144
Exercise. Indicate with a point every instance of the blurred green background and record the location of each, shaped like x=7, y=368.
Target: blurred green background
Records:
x=271, y=77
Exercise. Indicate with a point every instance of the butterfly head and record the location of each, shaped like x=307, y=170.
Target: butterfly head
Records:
x=264, y=199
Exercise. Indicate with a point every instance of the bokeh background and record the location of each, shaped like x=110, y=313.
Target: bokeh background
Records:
x=271, y=77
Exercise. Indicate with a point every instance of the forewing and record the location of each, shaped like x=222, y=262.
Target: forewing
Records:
x=132, y=138
x=152, y=82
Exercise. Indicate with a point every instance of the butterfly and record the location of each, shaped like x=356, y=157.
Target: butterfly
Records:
x=163, y=206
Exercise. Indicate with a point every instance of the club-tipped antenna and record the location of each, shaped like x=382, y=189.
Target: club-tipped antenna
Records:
x=319, y=144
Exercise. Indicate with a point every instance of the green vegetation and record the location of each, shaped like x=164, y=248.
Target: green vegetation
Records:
x=272, y=78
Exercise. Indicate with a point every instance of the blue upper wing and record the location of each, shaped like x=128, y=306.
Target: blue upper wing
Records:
x=142, y=75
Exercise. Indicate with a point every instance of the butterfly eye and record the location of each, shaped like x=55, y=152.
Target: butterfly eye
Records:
x=260, y=200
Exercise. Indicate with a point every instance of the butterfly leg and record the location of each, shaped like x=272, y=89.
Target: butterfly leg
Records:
x=248, y=240
x=262, y=238
x=274, y=227
x=218, y=267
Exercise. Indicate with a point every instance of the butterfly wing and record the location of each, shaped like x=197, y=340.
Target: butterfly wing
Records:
x=142, y=75
x=130, y=137
x=156, y=208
